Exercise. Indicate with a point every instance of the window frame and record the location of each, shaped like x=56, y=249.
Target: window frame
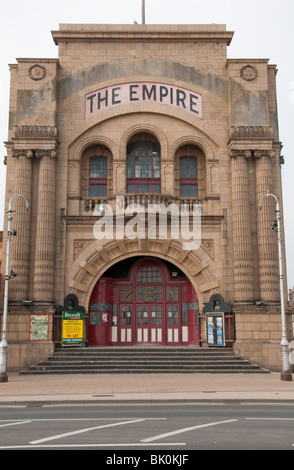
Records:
x=188, y=182
x=152, y=183
x=98, y=182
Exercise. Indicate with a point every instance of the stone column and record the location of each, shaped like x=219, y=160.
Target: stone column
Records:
x=241, y=225
x=20, y=245
x=267, y=239
x=45, y=229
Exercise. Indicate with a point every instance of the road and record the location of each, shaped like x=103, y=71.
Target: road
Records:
x=148, y=427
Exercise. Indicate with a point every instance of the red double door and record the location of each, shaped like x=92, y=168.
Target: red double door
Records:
x=154, y=305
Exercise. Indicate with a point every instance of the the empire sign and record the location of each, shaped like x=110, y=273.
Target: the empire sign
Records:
x=143, y=92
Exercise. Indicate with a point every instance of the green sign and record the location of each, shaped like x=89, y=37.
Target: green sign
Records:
x=72, y=327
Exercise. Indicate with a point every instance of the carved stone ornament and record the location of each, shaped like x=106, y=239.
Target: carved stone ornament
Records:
x=248, y=72
x=80, y=245
x=207, y=245
x=240, y=153
x=16, y=153
x=242, y=132
x=46, y=153
x=264, y=153
x=35, y=131
x=37, y=72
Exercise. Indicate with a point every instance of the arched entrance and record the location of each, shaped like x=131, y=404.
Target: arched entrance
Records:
x=142, y=301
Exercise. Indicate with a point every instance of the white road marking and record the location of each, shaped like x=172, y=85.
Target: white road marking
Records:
x=80, y=431
x=130, y=444
x=273, y=419
x=14, y=424
x=192, y=428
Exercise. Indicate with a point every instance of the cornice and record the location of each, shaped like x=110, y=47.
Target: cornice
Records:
x=131, y=33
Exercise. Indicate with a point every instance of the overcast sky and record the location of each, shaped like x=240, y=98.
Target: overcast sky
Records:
x=263, y=29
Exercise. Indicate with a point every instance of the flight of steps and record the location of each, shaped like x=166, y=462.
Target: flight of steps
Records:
x=143, y=360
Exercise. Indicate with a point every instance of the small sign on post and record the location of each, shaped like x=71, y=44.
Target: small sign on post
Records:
x=72, y=328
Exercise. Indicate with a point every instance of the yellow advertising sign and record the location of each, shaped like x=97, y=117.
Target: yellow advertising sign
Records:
x=72, y=328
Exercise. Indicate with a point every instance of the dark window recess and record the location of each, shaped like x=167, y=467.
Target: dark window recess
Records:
x=143, y=167
x=98, y=177
x=188, y=177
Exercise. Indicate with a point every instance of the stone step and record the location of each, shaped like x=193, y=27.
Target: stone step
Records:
x=142, y=360
x=122, y=364
x=145, y=371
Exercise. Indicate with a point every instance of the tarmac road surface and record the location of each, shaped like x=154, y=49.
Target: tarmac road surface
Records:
x=148, y=429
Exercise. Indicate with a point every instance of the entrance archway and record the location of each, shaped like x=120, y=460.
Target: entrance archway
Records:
x=143, y=300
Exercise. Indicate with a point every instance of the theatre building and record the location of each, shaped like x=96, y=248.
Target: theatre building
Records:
x=143, y=154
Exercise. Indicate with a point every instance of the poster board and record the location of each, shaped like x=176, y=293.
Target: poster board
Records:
x=39, y=327
x=72, y=328
x=215, y=329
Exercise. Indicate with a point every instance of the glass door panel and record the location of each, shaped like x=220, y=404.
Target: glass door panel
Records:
x=126, y=317
x=173, y=325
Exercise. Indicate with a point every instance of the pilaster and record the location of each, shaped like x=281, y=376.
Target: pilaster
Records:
x=45, y=230
x=20, y=246
x=267, y=242
x=241, y=227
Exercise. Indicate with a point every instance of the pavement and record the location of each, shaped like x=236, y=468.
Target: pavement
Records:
x=32, y=390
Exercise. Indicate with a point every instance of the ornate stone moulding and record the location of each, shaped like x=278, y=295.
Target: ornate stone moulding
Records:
x=34, y=132
x=30, y=153
x=252, y=132
x=249, y=72
x=37, y=72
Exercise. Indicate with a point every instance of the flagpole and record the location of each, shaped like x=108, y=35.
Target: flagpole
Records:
x=143, y=11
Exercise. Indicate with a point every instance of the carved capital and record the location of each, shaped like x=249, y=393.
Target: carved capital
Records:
x=46, y=153
x=264, y=153
x=17, y=153
x=240, y=153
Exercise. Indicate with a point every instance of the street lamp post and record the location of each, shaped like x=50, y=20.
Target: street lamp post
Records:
x=286, y=371
x=8, y=276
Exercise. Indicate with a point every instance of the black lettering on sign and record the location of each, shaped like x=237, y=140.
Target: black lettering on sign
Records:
x=105, y=99
x=133, y=92
x=159, y=93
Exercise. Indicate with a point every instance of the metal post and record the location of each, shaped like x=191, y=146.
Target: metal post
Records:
x=286, y=371
x=143, y=11
x=4, y=344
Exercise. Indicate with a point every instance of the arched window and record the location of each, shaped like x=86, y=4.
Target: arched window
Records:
x=188, y=177
x=143, y=167
x=96, y=172
x=149, y=274
x=98, y=177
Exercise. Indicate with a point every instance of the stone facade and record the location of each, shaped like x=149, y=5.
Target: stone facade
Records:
x=183, y=93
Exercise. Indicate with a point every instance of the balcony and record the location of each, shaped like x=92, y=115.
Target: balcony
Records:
x=80, y=210
x=95, y=205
